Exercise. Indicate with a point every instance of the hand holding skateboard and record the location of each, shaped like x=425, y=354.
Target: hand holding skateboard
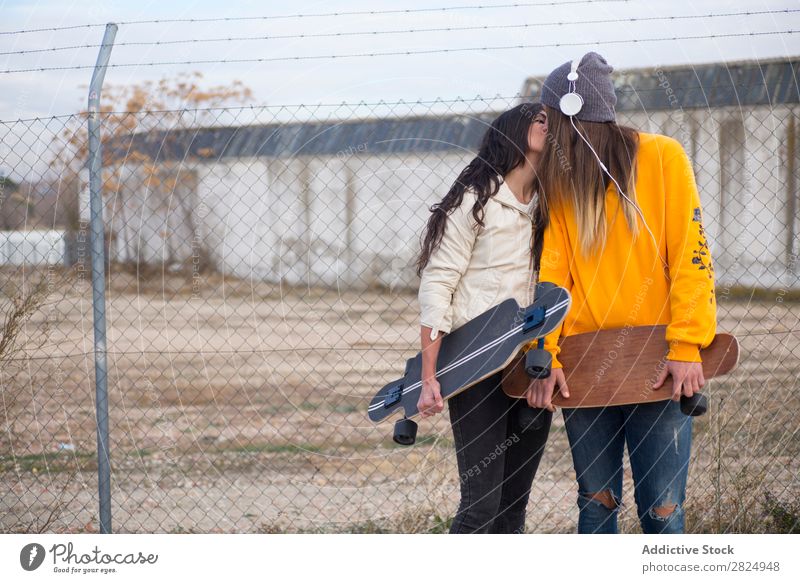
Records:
x=540, y=391
x=622, y=366
x=430, y=398
x=687, y=380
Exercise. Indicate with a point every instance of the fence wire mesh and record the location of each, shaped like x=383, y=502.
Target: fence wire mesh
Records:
x=260, y=288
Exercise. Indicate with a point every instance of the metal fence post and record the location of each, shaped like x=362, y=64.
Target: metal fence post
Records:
x=97, y=238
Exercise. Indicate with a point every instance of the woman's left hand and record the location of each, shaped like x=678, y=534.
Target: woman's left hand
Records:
x=540, y=391
x=687, y=378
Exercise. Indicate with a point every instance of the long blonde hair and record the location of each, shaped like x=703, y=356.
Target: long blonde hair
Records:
x=570, y=176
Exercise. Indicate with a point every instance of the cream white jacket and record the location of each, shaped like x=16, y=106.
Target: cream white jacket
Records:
x=476, y=268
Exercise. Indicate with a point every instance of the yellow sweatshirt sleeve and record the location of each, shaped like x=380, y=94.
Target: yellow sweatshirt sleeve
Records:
x=554, y=267
x=692, y=302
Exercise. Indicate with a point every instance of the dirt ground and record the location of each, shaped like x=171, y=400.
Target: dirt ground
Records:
x=237, y=406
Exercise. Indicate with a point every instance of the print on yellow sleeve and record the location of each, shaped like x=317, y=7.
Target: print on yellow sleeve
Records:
x=702, y=256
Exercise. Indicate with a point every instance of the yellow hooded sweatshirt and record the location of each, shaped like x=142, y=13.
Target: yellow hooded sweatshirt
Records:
x=625, y=283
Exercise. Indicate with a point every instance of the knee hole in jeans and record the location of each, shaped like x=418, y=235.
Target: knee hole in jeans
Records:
x=663, y=512
x=606, y=498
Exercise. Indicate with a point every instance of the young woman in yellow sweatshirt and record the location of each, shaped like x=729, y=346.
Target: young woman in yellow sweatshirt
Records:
x=624, y=234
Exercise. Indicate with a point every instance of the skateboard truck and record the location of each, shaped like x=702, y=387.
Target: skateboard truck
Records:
x=395, y=396
x=534, y=318
x=537, y=365
x=405, y=430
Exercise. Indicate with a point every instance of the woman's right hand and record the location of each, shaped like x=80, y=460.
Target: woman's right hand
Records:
x=430, y=398
x=540, y=391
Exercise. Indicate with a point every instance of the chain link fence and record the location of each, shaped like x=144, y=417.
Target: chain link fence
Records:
x=260, y=289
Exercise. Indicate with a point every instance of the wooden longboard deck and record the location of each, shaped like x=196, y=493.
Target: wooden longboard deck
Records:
x=619, y=366
x=480, y=348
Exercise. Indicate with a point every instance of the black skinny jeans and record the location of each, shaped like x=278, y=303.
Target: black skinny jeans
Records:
x=497, y=461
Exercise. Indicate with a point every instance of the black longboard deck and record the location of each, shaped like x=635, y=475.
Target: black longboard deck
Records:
x=480, y=348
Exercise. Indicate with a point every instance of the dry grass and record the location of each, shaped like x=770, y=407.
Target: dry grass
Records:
x=20, y=300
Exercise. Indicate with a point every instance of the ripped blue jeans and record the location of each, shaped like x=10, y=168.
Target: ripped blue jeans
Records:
x=659, y=438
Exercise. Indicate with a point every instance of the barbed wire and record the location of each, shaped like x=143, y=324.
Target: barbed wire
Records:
x=404, y=53
x=314, y=15
x=484, y=27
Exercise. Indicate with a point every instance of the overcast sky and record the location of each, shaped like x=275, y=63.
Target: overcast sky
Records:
x=464, y=74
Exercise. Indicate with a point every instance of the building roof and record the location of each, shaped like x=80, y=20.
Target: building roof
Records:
x=334, y=138
x=769, y=82
x=649, y=89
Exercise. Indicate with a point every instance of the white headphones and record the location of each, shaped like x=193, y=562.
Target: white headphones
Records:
x=570, y=105
x=571, y=102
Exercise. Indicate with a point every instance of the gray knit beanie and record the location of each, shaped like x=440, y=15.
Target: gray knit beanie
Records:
x=593, y=85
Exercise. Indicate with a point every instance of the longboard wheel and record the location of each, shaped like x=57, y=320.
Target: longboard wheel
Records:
x=405, y=432
x=695, y=405
x=530, y=418
x=537, y=363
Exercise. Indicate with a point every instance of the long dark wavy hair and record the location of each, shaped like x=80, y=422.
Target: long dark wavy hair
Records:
x=503, y=148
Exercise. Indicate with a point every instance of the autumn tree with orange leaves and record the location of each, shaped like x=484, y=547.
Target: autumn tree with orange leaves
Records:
x=166, y=107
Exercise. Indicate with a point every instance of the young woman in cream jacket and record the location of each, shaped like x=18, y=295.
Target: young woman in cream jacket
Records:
x=476, y=252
